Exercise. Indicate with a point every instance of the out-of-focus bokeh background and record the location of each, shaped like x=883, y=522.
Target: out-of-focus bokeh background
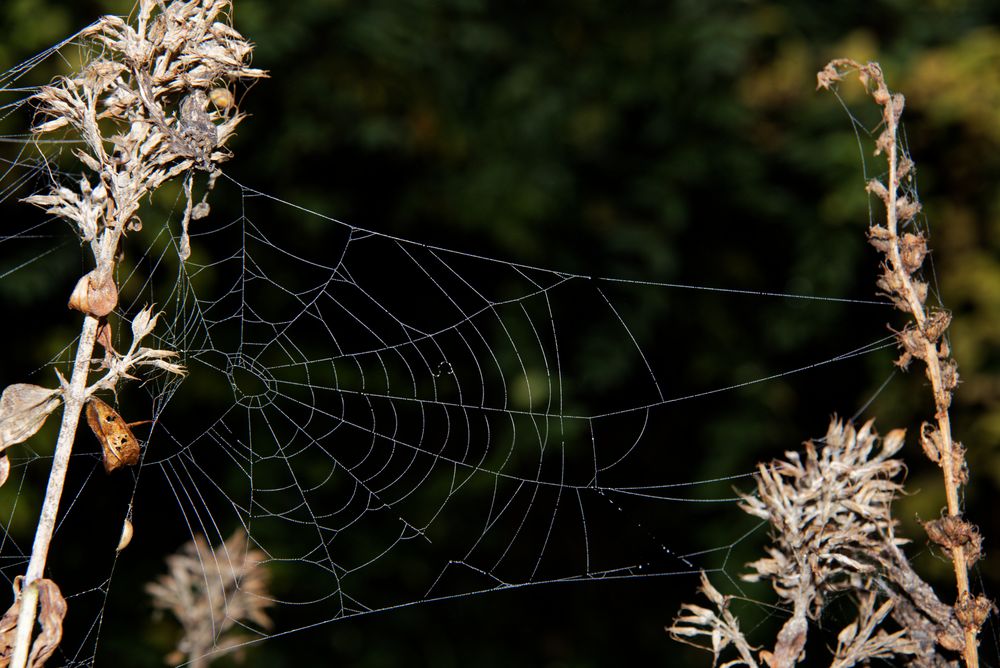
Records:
x=677, y=141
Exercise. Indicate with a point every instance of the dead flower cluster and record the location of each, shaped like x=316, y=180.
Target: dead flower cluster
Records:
x=152, y=86
x=923, y=338
x=154, y=102
x=830, y=508
x=832, y=532
x=209, y=591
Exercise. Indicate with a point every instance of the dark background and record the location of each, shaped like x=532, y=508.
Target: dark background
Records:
x=679, y=142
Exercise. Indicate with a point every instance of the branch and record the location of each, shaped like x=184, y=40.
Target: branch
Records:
x=923, y=339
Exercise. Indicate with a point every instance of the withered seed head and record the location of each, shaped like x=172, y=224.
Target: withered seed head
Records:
x=973, y=612
x=930, y=441
x=912, y=251
x=949, y=374
x=937, y=324
x=950, y=532
x=906, y=209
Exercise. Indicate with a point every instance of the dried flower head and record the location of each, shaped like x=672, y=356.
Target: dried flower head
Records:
x=830, y=511
x=211, y=590
x=151, y=84
x=832, y=532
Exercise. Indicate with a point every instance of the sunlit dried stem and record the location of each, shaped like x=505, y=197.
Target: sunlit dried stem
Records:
x=829, y=507
x=909, y=295
x=149, y=86
x=74, y=397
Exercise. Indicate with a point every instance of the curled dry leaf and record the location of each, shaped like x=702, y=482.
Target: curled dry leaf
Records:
x=4, y=470
x=23, y=410
x=200, y=210
x=52, y=611
x=105, y=337
x=126, y=536
x=119, y=446
x=94, y=296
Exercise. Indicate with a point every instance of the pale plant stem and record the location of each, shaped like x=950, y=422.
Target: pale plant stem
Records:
x=200, y=660
x=847, y=543
x=74, y=396
x=133, y=78
x=73, y=400
x=941, y=398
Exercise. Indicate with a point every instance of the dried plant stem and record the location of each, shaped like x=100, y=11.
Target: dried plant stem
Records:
x=935, y=372
x=924, y=339
x=830, y=507
x=74, y=397
x=141, y=106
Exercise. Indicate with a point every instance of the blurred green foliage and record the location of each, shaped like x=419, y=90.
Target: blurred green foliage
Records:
x=670, y=141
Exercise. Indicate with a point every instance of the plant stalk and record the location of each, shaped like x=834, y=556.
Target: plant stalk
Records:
x=74, y=397
x=941, y=398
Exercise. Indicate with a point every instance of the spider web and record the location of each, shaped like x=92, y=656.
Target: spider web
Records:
x=391, y=422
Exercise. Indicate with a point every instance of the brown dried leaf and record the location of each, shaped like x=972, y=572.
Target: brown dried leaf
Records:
x=930, y=441
x=118, y=445
x=23, y=410
x=94, y=297
x=906, y=209
x=105, y=339
x=52, y=610
x=104, y=336
x=8, y=625
x=878, y=189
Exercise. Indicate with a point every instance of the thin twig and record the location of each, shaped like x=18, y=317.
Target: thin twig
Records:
x=74, y=398
x=942, y=396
